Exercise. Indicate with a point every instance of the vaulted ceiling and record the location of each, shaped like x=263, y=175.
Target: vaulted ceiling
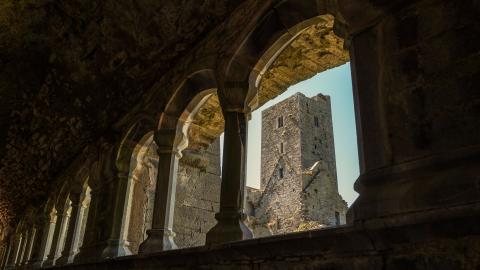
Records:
x=69, y=69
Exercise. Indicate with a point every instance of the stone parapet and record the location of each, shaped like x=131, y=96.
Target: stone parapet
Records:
x=433, y=245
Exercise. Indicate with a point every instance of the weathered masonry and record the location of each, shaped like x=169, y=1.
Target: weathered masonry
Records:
x=86, y=85
x=299, y=188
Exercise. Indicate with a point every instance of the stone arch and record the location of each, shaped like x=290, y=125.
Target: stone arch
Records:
x=192, y=90
x=177, y=117
x=141, y=187
x=62, y=211
x=271, y=35
x=46, y=222
x=249, y=63
x=79, y=197
x=241, y=72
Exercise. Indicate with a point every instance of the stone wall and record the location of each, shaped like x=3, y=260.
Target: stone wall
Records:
x=321, y=200
x=317, y=141
x=280, y=203
x=198, y=195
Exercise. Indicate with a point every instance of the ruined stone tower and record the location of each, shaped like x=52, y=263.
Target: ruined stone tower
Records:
x=298, y=173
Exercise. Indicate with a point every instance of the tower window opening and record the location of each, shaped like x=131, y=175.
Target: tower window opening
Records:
x=280, y=122
x=280, y=172
x=281, y=148
x=315, y=120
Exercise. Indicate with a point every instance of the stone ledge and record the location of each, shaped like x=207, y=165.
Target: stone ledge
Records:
x=449, y=242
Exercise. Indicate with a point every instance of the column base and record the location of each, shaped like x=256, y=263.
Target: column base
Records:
x=88, y=254
x=104, y=250
x=116, y=248
x=158, y=240
x=34, y=264
x=419, y=191
x=229, y=228
x=65, y=259
x=49, y=262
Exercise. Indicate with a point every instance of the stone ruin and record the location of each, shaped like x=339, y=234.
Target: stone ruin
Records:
x=299, y=189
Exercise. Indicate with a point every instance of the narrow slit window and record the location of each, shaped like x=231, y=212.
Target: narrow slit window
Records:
x=315, y=121
x=280, y=172
x=281, y=148
x=280, y=122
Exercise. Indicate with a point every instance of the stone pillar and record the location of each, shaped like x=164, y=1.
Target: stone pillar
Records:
x=2, y=255
x=9, y=261
x=55, y=249
x=88, y=251
x=15, y=243
x=416, y=98
x=230, y=226
x=28, y=246
x=160, y=236
x=5, y=255
x=23, y=247
x=85, y=210
x=73, y=231
x=118, y=217
x=44, y=227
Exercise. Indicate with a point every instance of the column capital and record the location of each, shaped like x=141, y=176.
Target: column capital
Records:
x=234, y=96
x=167, y=143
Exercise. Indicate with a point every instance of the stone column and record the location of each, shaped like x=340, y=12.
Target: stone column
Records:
x=416, y=98
x=73, y=230
x=160, y=236
x=28, y=246
x=119, y=218
x=23, y=248
x=2, y=255
x=10, y=260
x=62, y=217
x=5, y=255
x=109, y=213
x=16, y=243
x=88, y=251
x=85, y=210
x=44, y=227
x=230, y=226
x=20, y=250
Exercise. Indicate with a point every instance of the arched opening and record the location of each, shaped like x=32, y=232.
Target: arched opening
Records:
x=301, y=158
x=52, y=221
x=315, y=150
x=143, y=176
x=309, y=48
x=197, y=176
x=57, y=235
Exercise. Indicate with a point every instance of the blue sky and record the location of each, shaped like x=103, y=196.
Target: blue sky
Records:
x=338, y=85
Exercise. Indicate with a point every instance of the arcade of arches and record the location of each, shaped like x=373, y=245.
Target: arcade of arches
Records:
x=111, y=113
